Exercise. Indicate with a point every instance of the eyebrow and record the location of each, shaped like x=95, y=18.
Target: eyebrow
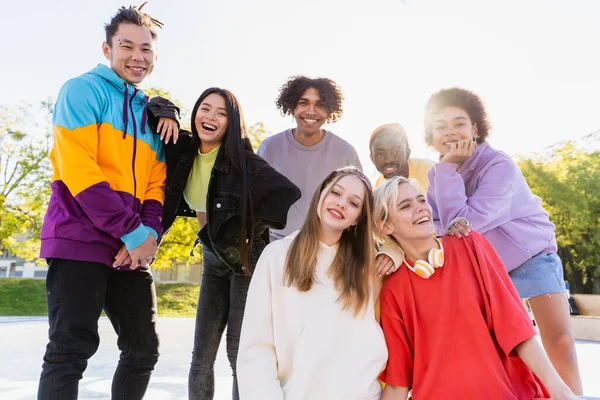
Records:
x=210, y=105
x=393, y=148
x=411, y=199
x=343, y=188
x=128, y=41
x=307, y=99
x=453, y=119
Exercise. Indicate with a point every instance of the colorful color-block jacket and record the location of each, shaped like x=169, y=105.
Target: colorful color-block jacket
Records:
x=109, y=175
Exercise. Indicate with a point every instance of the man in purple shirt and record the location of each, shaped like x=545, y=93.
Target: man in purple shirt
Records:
x=307, y=153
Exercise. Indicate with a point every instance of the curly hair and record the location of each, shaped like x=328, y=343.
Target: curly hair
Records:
x=461, y=98
x=292, y=90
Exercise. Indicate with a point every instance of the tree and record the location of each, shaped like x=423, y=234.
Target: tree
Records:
x=568, y=181
x=257, y=133
x=25, y=180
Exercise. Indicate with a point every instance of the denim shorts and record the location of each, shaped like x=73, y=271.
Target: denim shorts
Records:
x=539, y=275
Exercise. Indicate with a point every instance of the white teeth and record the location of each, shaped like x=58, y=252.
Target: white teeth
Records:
x=139, y=69
x=336, y=213
x=310, y=121
x=209, y=127
x=421, y=220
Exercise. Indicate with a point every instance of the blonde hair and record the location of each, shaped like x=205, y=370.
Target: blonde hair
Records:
x=386, y=198
x=354, y=260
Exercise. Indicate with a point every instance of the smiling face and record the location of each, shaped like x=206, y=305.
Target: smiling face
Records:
x=342, y=205
x=310, y=113
x=390, y=155
x=132, y=53
x=411, y=217
x=211, y=122
x=450, y=125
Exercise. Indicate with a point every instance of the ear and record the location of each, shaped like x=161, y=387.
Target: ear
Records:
x=384, y=227
x=106, y=50
x=371, y=156
x=407, y=154
x=475, y=132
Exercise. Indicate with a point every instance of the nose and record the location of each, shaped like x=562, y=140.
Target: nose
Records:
x=137, y=55
x=341, y=203
x=211, y=115
x=421, y=206
x=449, y=131
x=311, y=108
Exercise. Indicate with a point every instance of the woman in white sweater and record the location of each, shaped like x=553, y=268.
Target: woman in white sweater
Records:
x=309, y=330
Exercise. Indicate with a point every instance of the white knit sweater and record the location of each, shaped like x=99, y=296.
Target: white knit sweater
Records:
x=302, y=345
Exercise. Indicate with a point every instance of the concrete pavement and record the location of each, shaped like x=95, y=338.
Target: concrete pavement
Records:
x=23, y=339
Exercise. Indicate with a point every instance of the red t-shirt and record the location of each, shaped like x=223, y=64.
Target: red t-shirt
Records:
x=452, y=336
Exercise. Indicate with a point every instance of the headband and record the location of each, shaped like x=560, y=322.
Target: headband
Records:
x=345, y=170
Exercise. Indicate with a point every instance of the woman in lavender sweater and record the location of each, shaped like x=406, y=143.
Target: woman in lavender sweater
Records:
x=485, y=186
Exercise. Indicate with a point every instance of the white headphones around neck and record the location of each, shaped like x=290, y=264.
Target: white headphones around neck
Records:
x=436, y=260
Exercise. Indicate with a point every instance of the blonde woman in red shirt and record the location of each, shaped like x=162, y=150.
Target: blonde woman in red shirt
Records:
x=453, y=322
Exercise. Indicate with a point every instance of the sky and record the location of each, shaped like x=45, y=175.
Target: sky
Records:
x=536, y=64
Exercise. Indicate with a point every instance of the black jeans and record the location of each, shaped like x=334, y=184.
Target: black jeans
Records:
x=221, y=303
x=76, y=293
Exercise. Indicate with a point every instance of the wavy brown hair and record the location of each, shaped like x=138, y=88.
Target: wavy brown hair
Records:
x=353, y=263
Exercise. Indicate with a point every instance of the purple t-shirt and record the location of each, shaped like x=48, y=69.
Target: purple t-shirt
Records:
x=306, y=167
x=490, y=191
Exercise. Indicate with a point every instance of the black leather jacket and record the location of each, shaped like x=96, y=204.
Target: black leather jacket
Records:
x=272, y=195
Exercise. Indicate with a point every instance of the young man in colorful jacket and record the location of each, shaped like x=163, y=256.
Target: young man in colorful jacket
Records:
x=104, y=216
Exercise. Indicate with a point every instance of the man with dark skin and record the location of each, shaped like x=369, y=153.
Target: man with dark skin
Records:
x=390, y=152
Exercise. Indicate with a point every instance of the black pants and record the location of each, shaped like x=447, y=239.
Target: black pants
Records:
x=221, y=303
x=76, y=293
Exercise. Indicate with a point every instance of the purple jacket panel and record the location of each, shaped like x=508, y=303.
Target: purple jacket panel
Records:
x=84, y=228
x=490, y=191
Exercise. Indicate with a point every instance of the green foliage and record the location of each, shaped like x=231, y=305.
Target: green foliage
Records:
x=22, y=297
x=257, y=133
x=25, y=181
x=177, y=299
x=569, y=184
x=27, y=297
x=176, y=245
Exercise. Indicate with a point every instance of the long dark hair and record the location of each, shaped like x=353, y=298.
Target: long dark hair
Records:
x=235, y=144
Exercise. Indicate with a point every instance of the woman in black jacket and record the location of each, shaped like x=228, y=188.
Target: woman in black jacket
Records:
x=213, y=174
